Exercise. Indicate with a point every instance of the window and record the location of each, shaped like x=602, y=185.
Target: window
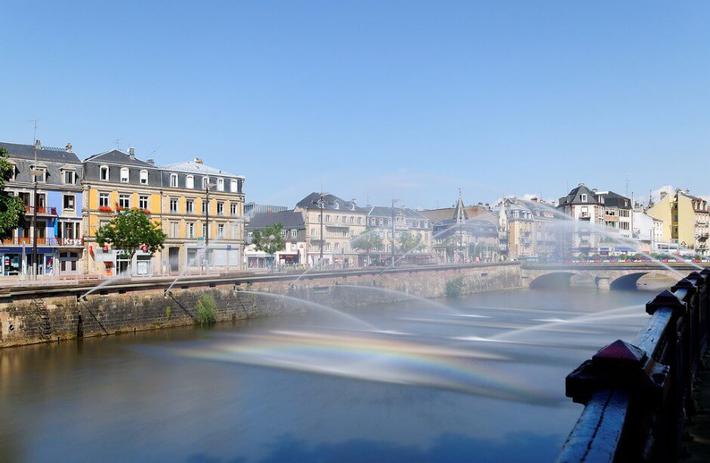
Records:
x=69, y=177
x=174, y=229
x=294, y=233
x=103, y=173
x=124, y=201
x=234, y=186
x=103, y=200
x=143, y=202
x=191, y=230
x=235, y=231
x=220, y=230
x=173, y=204
x=220, y=208
x=173, y=180
x=68, y=201
x=14, y=170
x=204, y=229
x=327, y=218
x=190, y=206
x=124, y=175
x=190, y=181
x=584, y=197
x=220, y=184
x=233, y=208
x=41, y=174
x=144, y=177
x=205, y=182
x=204, y=206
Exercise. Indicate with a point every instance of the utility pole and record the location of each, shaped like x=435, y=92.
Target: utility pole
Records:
x=207, y=224
x=393, y=232
x=321, y=204
x=34, y=172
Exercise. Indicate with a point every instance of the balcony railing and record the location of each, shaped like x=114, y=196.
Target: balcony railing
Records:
x=43, y=241
x=41, y=210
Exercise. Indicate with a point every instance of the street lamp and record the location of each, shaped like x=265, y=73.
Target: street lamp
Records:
x=207, y=221
x=320, y=202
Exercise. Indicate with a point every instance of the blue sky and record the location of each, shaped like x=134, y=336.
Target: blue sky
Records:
x=373, y=99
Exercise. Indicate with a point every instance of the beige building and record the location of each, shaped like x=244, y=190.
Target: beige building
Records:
x=331, y=225
x=686, y=220
x=406, y=229
x=527, y=229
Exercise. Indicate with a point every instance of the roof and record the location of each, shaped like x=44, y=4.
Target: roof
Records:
x=119, y=157
x=330, y=202
x=476, y=227
x=289, y=219
x=612, y=199
x=45, y=153
x=437, y=215
x=196, y=166
x=384, y=211
x=575, y=196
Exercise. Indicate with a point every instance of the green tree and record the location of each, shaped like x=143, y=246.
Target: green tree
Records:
x=367, y=242
x=131, y=230
x=269, y=239
x=409, y=242
x=11, y=207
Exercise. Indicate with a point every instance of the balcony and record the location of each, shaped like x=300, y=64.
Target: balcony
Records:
x=42, y=241
x=41, y=210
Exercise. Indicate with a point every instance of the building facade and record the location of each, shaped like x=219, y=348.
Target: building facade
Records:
x=340, y=221
x=527, y=230
x=407, y=230
x=686, y=222
x=293, y=234
x=182, y=198
x=48, y=180
x=602, y=222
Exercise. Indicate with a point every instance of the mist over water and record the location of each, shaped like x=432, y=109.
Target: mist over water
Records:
x=425, y=385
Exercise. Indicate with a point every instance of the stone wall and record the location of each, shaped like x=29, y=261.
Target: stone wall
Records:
x=47, y=317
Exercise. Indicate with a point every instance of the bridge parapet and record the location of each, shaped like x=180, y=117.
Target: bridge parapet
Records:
x=637, y=396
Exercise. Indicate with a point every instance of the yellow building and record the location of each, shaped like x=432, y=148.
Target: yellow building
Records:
x=685, y=219
x=175, y=197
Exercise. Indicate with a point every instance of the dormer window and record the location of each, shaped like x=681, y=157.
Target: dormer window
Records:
x=220, y=184
x=190, y=181
x=234, y=186
x=39, y=173
x=173, y=180
x=205, y=182
x=336, y=205
x=14, y=170
x=103, y=173
x=144, y=177
x=583, y=196
x=125, y=176
x=69, y=177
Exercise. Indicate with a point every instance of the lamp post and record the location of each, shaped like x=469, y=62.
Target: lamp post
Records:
x=207, y=222
x=320, y=202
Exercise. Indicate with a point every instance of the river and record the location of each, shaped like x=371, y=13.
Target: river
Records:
x=414, y=382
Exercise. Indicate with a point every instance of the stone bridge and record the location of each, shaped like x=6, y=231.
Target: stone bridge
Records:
x=602, y=275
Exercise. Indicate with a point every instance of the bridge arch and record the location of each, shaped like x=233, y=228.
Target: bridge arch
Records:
x=629, y=281
x=552, y=280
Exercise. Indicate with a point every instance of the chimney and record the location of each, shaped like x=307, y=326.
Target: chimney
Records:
x=69, y=148
x=38, y=145
x=199, y=161
x=132, y=153
x=150, y=161
x=663, y=194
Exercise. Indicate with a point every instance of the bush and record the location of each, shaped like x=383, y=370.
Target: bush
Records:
x=454, y=287
x=206, y=309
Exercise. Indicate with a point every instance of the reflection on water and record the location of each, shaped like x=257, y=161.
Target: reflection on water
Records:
x=423, y=385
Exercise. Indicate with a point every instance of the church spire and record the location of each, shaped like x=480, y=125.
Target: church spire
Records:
x=460, y=212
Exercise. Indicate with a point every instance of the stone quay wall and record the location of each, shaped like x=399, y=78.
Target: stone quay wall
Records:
x=28, y=317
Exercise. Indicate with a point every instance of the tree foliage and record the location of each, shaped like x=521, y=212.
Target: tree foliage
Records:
x=270, y=239
x=367, y=242
x=131, y=230
x=409, y=242
x=11, y=207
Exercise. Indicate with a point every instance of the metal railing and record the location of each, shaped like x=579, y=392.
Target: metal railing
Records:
x=638, y=397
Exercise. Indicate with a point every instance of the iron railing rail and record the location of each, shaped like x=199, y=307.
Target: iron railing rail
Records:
x=638, y=397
